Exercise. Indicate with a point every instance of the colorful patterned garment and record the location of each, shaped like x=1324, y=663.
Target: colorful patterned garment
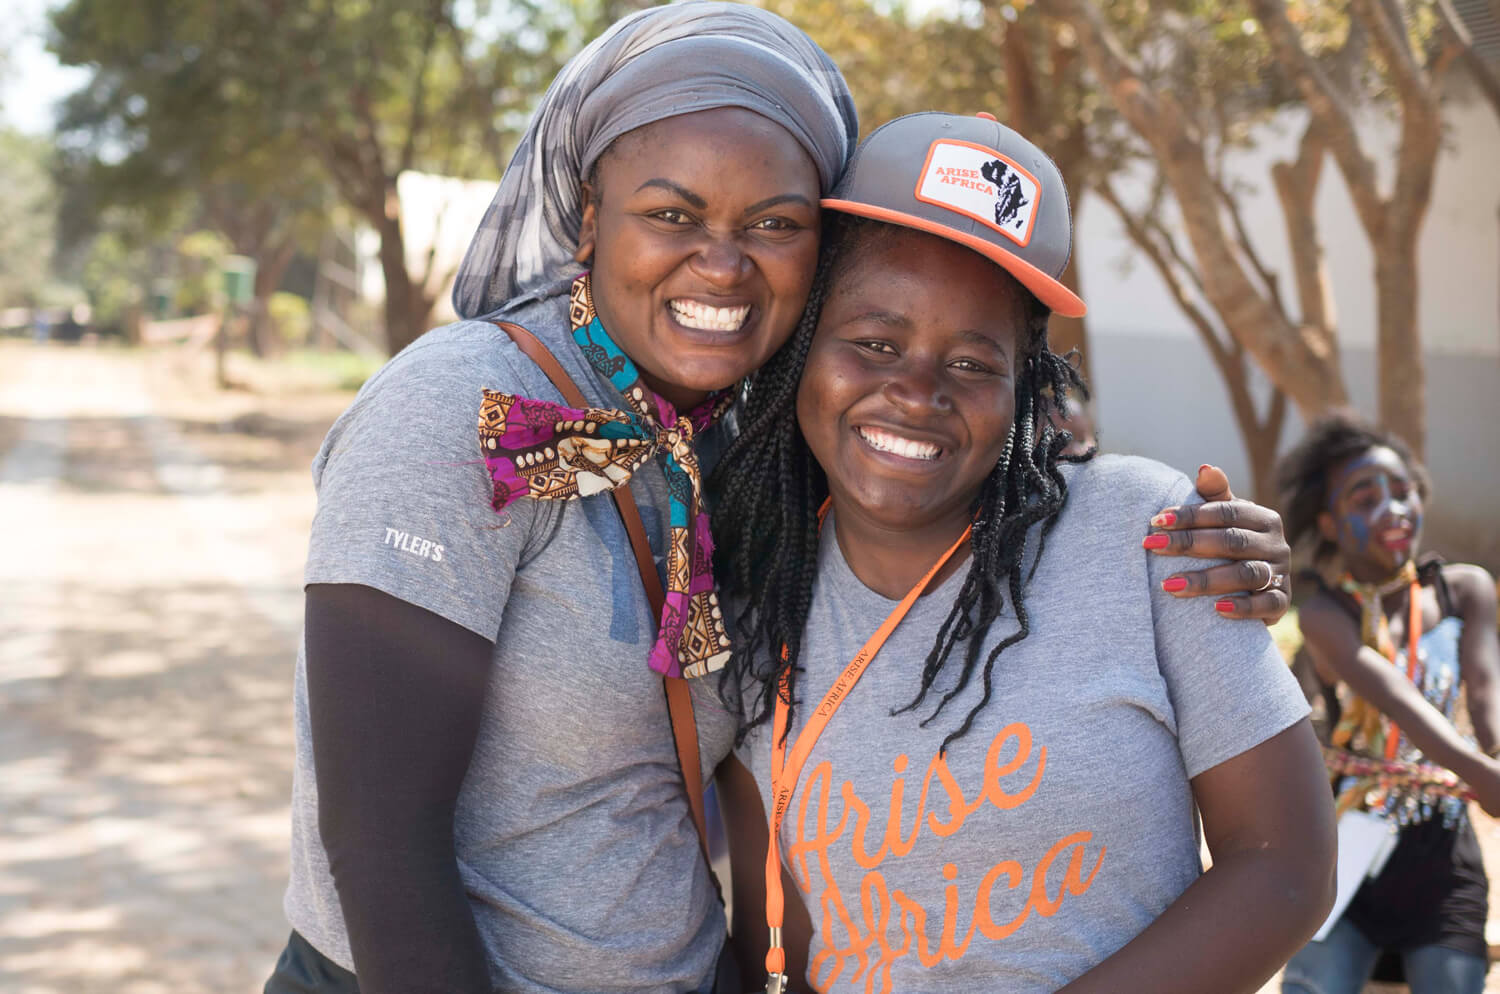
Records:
x=1365, y=731
x=538, y=449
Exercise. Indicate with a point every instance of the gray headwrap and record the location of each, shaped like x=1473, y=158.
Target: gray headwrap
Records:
x=653, y=64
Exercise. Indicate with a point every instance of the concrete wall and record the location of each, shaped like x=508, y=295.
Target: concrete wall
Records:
x=1160, y=395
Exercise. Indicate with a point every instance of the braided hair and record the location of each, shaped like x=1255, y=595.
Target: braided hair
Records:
x=1304, y=473
x=768, y=488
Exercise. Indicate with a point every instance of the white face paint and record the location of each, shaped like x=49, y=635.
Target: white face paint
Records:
x=1377, y=512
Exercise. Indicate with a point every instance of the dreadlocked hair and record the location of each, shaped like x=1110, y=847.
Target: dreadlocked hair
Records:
x=1304, y=473
x=768, y=488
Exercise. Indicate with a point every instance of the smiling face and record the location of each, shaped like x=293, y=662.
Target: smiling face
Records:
x=702, y=234
x=909, y=388
x=1374, y=514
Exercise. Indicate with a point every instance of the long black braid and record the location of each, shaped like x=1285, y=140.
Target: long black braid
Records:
x=768, y=488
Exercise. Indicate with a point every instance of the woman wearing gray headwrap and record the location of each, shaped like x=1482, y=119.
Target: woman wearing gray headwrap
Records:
x=496, y=802
x=655, y=64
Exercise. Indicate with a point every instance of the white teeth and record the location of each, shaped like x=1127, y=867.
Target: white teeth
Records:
x=692, y=314
x=895, y=444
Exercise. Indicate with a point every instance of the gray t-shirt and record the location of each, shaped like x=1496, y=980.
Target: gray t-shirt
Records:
x=573, y=834
x=1063, y=823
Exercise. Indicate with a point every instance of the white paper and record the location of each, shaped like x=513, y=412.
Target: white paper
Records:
x=1365, y=843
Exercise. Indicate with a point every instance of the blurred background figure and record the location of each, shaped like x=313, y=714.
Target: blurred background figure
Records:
x=1397, y=642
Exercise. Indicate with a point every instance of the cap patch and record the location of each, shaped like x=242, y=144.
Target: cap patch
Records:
x=982, y=184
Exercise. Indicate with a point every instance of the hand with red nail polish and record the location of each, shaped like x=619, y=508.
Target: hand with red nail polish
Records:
x=1227, y=527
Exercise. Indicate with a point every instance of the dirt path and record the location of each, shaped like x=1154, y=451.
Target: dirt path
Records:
x=153, y=537
x=149, y=611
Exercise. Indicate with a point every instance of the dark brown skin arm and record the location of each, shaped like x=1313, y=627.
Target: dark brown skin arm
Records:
x=1473, y=591
x=1270, y=886
x=1228, y=527
x=746, y=825
x=1333, y=639
x=397, y=697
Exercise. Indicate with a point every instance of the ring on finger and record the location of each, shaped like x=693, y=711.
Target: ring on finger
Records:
x=1273, y=582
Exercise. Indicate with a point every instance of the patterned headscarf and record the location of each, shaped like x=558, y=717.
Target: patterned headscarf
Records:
x=654, y=64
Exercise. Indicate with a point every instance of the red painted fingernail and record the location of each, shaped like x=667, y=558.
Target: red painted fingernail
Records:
x=1165, y=519
x=1224, y=606
x=1157, y=541
x=1174, y=584
x=1203, y=467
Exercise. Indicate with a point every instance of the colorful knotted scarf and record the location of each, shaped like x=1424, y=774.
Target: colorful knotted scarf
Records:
x=1363, y=728
x=535, y=448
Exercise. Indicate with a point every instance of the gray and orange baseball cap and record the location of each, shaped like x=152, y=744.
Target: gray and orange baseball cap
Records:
x=974, y=181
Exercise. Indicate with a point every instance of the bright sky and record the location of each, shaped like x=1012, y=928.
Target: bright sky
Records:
x=34, y=82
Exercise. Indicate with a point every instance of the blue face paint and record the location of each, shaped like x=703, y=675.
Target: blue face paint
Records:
x=1358, y=530
x=1377, y=511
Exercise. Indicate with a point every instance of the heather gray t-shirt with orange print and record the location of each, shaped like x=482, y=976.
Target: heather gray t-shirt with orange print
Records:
x=1062, y=824
x=573, y=834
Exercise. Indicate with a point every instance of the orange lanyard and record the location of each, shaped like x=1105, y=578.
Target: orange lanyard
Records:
x=1413, y=641
x=784, y=773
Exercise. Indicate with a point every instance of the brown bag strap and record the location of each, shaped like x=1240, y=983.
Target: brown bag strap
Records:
x=679, y=698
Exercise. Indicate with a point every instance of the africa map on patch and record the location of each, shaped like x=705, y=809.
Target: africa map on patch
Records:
x=982, y=184
x=1009, y=198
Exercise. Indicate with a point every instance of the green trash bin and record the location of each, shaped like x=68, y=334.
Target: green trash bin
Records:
x=239, y=280
x=162, y=293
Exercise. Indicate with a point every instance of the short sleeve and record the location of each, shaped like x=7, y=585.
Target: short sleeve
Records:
x=404, y=495
x=1229, y=687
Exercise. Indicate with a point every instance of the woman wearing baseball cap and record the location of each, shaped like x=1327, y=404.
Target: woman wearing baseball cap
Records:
x=982, y=724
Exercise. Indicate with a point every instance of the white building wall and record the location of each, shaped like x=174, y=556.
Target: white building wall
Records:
x=1159, y=394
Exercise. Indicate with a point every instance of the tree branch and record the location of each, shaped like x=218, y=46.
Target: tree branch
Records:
x=1329, y=107
x=1296, y=188
x=1484, y=76
x=418, y=119
x=1242, y=239
x=1388, y=28
x=1159, y=247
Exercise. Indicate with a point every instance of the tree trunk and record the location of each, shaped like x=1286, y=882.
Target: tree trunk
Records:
x=1027, y=111
x=1402, y=384
x=1064, y=334
x=407, y=304
x=270, y=266
x=1261, y=444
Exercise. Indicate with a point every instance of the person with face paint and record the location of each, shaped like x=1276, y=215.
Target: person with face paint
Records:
x=488, y=793
x=978, y=717
x=1396, y=643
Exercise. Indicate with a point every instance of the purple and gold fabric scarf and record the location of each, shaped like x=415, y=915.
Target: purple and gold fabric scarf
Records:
x=538, y=449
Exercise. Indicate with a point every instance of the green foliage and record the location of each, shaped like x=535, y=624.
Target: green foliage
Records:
x=250, y=107
x=27, y=235
x=198, y=263
x=292, y=317
x=344, y=370
x=113, y=272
